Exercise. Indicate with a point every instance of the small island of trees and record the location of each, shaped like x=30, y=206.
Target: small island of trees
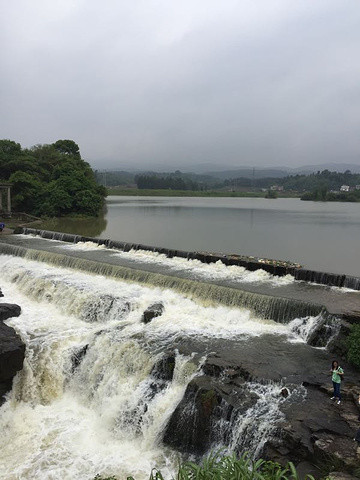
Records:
x=50, y=180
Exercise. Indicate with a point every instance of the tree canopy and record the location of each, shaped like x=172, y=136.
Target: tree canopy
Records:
x=50, y=180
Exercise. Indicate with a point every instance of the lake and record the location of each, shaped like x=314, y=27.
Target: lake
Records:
x=319, y=236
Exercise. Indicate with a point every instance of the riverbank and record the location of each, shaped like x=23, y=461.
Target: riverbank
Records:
x=18, y=219
x=189, y=193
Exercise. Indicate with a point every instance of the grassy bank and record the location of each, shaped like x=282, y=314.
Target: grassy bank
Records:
x=189, y=193
x=229, y=467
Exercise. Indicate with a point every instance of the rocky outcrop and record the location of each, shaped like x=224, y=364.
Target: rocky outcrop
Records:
x=12, y=349
x=8, y=310
x=319, y=430
x=310, y=428
x=152, y=311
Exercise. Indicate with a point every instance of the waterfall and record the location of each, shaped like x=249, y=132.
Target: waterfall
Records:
x=267, y=307
x=277, y=268
x=317, y=331
x=99, y=387
x=247, y=430
x=96, y=390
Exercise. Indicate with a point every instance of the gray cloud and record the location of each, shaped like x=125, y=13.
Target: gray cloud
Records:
x=261, y=82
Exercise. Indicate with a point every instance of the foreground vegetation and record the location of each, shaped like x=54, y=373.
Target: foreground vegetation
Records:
x=228, y=467
x=353, y=346
x=50, y=180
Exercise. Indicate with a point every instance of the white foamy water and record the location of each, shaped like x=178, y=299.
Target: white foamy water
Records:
x=197, y=269
x=250, y=430
x=105, y=413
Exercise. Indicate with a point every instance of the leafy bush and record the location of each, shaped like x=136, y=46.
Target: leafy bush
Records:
x=50, y=180
x=353, y=353
x=228, y=467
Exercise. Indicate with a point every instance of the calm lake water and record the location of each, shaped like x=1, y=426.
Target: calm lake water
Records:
x=319, y=236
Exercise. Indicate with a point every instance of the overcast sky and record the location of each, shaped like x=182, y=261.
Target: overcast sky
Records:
x=145, y=83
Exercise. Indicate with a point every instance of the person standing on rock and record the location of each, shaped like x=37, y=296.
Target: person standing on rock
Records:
x=337, y=373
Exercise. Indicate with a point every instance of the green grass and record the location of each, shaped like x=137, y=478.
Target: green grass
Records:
x=228, y=467
x=187, y=193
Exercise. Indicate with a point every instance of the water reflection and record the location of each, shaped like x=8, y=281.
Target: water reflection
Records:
x=318, y=236
x=88, y=227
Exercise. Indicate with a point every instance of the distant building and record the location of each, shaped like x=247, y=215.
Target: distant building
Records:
x=345, y=188
x=277, y=188
x=357, y=187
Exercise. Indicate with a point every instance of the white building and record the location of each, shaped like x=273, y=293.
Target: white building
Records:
x=344, y=188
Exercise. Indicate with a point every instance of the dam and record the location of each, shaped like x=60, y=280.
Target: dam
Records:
x=239, y=355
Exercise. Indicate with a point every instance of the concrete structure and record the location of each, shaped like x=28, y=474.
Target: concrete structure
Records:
x=344, y=188
x=5, y=191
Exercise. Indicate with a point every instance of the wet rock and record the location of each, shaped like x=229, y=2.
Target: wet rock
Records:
x=284, y=392
x=152, y=311
x=326, y=328
x=77, y=357
x=338, y=345
x=211, y=403
x=12, y=349
x=215, y=366
x=344, y=452
x=164, y=368
x=8, y=310
x=12, y=354
x=195, y=409
x=341, y=476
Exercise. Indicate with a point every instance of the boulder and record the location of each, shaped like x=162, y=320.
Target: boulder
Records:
x=152, y=311
x=12, y=354
x=8, y=310
x=195, y=409
x=12, y=349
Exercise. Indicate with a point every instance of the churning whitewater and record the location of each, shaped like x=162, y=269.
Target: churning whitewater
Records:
x=89, y=399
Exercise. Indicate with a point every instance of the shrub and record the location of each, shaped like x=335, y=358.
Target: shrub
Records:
x=353, y=353
x=229, y=467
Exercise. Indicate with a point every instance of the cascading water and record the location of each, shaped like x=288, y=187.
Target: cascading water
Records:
x=99, y=386
x=316, y=331
x=248, y=431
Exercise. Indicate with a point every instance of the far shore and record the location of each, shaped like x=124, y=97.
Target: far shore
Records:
x=190, y=193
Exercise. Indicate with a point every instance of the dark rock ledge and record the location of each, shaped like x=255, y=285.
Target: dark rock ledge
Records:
x=314, y=430
x=12, y=349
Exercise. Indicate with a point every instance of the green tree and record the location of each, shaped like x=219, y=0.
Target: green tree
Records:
x=27, y=191
x=50, y=180
x=67, y=147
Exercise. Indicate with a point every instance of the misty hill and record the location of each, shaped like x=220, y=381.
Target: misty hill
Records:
x=211, y=174
x=249, y=173
x=280, y=172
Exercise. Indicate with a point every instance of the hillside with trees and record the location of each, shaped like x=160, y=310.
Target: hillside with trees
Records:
x=50, y=180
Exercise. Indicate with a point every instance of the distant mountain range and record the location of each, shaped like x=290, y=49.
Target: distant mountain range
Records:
x=228, y=172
